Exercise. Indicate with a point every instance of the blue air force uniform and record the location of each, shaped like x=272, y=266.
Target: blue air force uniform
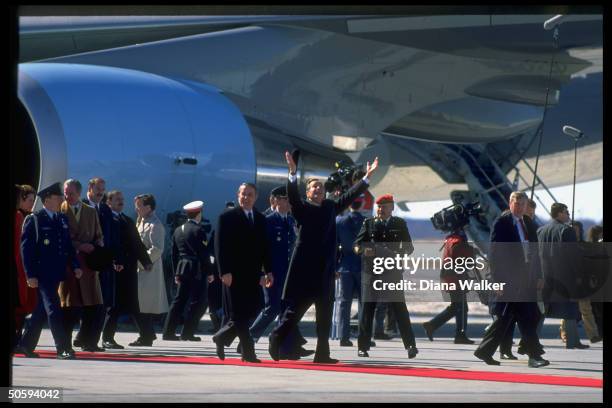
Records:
x=281, y=239
x=45, y=258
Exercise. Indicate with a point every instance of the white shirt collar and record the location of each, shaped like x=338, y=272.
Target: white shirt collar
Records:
x=49, y=212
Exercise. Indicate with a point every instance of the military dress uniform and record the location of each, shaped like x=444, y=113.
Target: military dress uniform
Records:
x=191, y=260
x=281, y=239
x=47, y=251
x=394, y=232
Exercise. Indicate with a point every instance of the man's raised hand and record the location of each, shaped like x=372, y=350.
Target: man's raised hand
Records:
x=290, y=163
x=370, y=168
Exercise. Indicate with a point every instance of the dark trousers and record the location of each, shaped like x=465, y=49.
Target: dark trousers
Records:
x=144, y=321
x=506, y=344
x=457, y=309
x=190, y=292
x=49, y=309
x=111, y=320
x=597, y=308
x=526, y=315
x=236, y=322
x=274, y=306
x=350, y=282
x=92, y=320
x=294, y=313
x=400, y=311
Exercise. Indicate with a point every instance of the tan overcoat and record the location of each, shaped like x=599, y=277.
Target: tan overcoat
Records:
x=84, y=228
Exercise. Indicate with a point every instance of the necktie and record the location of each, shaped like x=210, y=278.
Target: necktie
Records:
x=76, y=210
x=522, y=226
x=251, y=219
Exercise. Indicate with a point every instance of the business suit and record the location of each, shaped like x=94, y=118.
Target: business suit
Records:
x=82, y=298
x=191, y=262
x=47, y=259
x=312, y=268
x=107, y=277
x=559, y=255
x=241, y=249
x=130, y=251
x=394, y=233
x=520, y=270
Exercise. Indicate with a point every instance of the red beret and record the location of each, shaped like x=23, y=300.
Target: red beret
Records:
x=384, y=199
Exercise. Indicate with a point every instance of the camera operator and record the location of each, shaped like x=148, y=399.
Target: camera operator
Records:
x=455, y=246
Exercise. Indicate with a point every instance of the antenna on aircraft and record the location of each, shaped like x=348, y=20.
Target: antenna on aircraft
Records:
x=575, y=134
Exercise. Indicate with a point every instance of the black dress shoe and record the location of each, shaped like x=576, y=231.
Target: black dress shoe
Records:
x=77, y=343
x=507, y=356
x=462, y=339
x=64, y=355
x=141, y=343
x=305, y=353
x=302, y=341
x=428, y=330
x=112, y=345
x=362, y=353
x=346, y=343
x=71, y=351
x=382, y=336
x=191, y=338
x=537, y=362
x=596, y=339
x=324, y=360
x=579, y=346
x=412, y=352
x=487, y=359
x=92, y=348
x=251, y=359
x=170, y=337
x=219, y=349
x=372, y=343
x=273, y=348
x=25, y=352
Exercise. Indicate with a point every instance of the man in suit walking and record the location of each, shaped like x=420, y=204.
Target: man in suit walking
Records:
x=192, y=269
x=47, y=250
x=96, y=188
x=311, y=272
x=83, y=295
x=129, y=251
x=560, y=256
x=516, y=264
x=243, y=259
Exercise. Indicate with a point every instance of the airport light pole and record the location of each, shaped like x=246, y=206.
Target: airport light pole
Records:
x=575, y=134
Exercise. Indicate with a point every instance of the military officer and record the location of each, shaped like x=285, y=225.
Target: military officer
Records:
x=392, y=230
x=192, y=268
x=280, y=226
x=47, y=248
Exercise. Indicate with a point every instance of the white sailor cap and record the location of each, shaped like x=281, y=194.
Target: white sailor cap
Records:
x=193, y=206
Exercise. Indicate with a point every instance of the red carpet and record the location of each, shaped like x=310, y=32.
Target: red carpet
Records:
x=350, y=368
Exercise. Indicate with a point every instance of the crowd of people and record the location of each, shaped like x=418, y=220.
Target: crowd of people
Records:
x=83, y=261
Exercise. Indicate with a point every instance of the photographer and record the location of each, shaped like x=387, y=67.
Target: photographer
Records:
x=455, y=246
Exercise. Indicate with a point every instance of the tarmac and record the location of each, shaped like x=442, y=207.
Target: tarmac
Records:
x=178, y=371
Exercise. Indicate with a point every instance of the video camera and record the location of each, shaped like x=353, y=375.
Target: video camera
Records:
x=455, y=216
x=344, y=177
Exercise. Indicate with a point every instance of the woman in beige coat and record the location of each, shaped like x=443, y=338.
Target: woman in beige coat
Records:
x=152, y=297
